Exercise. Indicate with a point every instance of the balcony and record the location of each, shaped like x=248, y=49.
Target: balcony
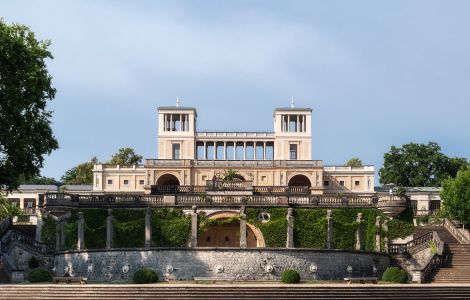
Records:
x=233, y=163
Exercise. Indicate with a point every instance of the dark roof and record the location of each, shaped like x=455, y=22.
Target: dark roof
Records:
x=293, y=109
x=36, y=187
x=78, y=187
x=418, y=189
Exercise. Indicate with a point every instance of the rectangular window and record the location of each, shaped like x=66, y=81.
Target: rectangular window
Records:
x=110, y=181
x=264, y=178
x=141, y=182
x=126, y=182
x=341, y=183
x=176, y=151
x=357, y=183
x=326, y=183
x=293, y=152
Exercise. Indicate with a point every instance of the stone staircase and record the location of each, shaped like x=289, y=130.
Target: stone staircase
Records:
x=233, y=291
x=3, y=276
x=456, y=264
x=443, y=233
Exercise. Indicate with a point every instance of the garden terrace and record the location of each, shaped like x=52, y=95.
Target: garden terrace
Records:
x=201, y=199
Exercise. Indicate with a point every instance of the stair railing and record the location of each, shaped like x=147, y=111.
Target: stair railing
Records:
x=434, y=261
x=461, y=238
x=412, y=246
x=26, y=241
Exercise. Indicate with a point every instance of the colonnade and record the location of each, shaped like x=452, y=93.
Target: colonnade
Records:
x=226, y=144
x=359, y=245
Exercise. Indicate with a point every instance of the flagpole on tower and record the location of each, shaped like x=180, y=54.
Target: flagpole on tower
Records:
x=177, y=101
x=292, y=102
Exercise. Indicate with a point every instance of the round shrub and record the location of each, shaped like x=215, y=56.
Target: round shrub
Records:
x=39, y=275
x=395, y=274
x=145, y=276
x=290, y=276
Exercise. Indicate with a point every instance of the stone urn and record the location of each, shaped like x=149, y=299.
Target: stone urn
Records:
x=391, y=205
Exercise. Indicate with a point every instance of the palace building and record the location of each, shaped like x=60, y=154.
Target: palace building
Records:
x=272, y=159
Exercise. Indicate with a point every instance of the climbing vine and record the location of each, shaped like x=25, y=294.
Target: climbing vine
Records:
x=170, y=227
x=274, y=231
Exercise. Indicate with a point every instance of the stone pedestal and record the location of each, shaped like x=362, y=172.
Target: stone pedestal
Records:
x=194, y=227
x=360, y=233
x=81, y=232
x=290, y=228
x=377, y=234
x=109, y=229
x=243, y=243
x=148, y=228
x=329, y=241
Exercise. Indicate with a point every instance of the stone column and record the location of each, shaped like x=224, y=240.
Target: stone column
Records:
x=225, y=150
x=62, y=234
x=290, y=228
x=254, y=150
x=244, y=150
x=81, y=232
x=360, y=233
x=329, y=218
x=264, y=150
x=205, y=150
x=39, y=226
x=377, y=234
x=148, y=228
x=243, y=243
x=109, y=229
x=385, y=230
x=194, y=227
x=58, y=230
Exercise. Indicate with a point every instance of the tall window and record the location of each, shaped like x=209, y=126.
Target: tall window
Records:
x=293, y=152
x=176, y=151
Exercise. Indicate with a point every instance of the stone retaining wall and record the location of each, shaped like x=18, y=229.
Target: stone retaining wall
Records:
x=243, y=264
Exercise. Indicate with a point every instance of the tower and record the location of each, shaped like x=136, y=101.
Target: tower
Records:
x=176, y=132
x=293, y=134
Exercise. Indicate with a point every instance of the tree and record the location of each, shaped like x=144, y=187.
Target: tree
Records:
x=25, y=87
x=125, y=156
x=38, y=180
x=8, y=209
x=455, y=195
x=418, y=165
x=354, y=162
x=80, y=174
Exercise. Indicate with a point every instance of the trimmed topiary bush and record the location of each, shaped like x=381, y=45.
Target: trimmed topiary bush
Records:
x=395, y=274
x=39, y=275
x=290, y=276
x=145, y=276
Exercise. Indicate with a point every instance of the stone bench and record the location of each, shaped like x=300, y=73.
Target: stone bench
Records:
x=214, y=279
x=81, y=280
x=350, y=280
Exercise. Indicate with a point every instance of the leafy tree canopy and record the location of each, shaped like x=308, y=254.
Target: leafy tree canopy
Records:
x=125, y=156
x=8, y=209
x=80, y=174
x=418, y=165
x=354, y=162
x=456, y=195
x=25, y=87
x=38, y=180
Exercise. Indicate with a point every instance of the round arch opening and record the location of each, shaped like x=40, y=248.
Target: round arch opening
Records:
x=300, y=180
x=168, y=179
x=228, y=234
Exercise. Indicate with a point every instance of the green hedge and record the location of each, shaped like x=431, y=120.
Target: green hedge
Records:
x=274, y=231
x=170, y=227
x=39, y=275
x=145, y=276
x=395, y=274
x=290, y=276
x=401, y=226
x=48, y=230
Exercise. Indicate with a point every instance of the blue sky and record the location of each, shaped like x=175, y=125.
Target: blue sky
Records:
x=376, y=73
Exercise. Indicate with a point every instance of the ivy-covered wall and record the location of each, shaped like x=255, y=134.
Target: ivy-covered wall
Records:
x=172, y=228
x=274, y=231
